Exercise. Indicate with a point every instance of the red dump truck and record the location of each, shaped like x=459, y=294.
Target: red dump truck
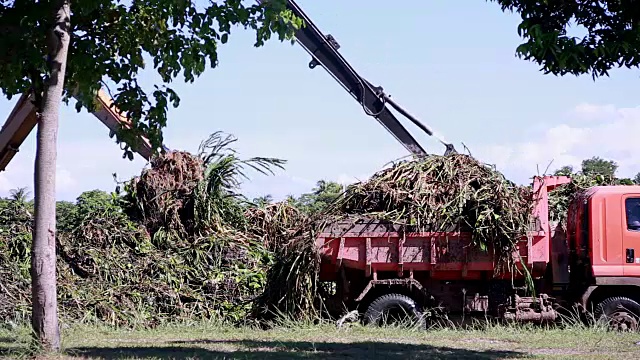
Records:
x=380, y=268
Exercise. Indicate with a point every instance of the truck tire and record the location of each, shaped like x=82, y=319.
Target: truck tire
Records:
x=620, y=313
x=392, y=305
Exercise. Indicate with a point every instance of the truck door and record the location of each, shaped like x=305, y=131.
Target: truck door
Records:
x=631, y=235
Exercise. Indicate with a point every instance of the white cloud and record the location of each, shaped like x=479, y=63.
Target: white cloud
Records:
x=590, y=112
x=5, y=184
x=604, y=131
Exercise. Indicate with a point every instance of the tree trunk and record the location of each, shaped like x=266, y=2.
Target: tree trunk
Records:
x=43, y=252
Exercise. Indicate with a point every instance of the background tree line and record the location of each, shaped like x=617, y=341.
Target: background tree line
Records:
x=598, y=166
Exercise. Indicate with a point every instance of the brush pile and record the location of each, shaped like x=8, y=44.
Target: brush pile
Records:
x=274, y=224
x=15, y=225
x=292, y=288
x=111, y=271
x=182, y=243
x=176, y=245
x=162, y=195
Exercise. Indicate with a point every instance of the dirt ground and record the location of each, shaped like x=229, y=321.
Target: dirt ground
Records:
x=328, y=342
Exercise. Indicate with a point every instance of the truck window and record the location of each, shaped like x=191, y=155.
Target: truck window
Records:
x=632, y=207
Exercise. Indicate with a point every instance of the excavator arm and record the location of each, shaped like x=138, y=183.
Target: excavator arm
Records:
x=324, y=51
x=22, y=120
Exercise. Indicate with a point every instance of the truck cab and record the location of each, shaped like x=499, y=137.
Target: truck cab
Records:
x=603, y=239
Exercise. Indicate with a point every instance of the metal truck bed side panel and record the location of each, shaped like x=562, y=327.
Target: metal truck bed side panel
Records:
x=376, y=246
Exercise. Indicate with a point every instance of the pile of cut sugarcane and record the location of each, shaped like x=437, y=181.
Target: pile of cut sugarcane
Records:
x=433, y=193
x=437, y=193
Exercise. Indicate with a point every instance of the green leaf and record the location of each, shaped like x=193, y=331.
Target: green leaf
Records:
x=612, y=36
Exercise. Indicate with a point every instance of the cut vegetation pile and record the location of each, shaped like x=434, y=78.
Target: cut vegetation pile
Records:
x=15, y=222
x=176, y=245
x=292, y=287
x=162, y=196
x=434, y=193
x=275, y=224
x=438, y=193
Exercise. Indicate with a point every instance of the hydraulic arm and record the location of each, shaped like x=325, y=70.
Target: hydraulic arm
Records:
x=324, y=51
x=22, y=120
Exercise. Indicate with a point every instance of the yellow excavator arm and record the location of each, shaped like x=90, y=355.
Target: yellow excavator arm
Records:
x=22, y=120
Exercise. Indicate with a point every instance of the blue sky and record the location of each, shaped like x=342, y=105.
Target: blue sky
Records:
x=452, y=66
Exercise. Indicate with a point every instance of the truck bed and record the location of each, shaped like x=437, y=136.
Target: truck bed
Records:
x=382, y=248
x=375, y=246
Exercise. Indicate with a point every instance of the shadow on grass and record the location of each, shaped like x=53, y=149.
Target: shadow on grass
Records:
x=291, y=350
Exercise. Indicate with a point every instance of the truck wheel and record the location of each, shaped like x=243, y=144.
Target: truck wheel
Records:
x=620, y=313
x=393, y=307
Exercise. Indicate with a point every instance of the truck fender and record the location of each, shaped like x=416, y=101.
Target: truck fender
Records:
x=586, y=296
x=608, y=287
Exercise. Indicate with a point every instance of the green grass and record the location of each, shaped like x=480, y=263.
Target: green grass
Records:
x=328, y=342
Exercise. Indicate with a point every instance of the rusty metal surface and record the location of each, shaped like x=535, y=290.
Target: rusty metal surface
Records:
x=388, y=282
x=529, y=309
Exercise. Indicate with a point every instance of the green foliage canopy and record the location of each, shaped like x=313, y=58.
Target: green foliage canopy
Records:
x=597, y=165
x=591, y=167
x=612, y=36
x=110, y=40
x=320, y=198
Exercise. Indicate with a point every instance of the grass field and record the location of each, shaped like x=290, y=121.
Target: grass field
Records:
x=328, y=342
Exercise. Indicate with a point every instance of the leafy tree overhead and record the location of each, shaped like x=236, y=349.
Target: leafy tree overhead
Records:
x=56, y=50
x=611, y=39
x=636, y=179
